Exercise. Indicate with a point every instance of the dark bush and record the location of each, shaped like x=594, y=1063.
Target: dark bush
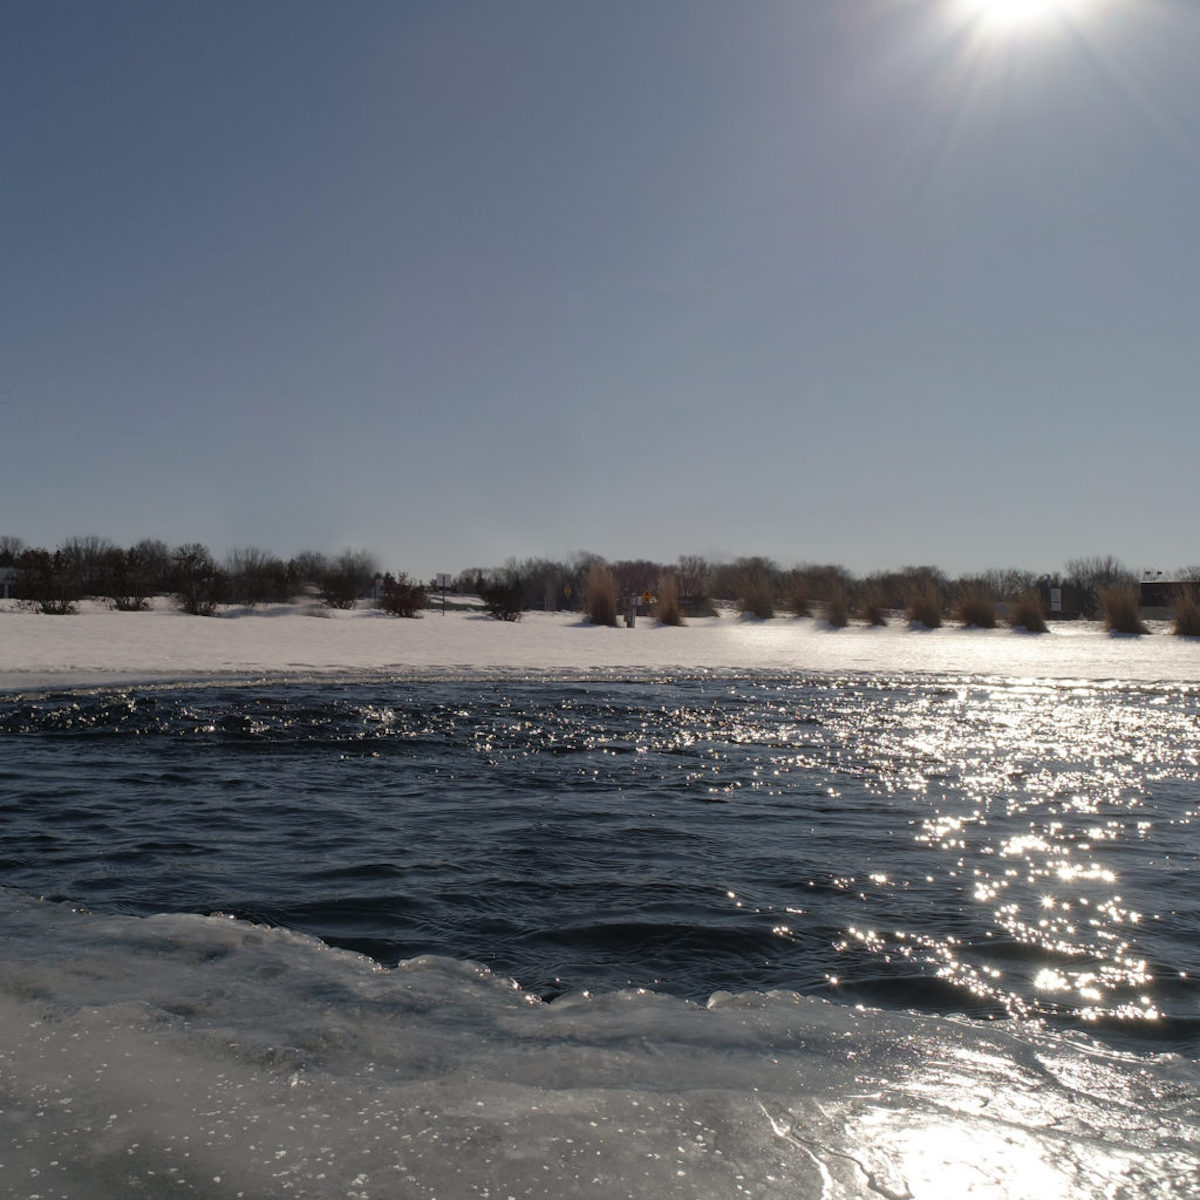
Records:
x=129, y=579
x=11, y=548
x=198, y=582
x=400, y=596
x=86, y=560
x=306, y=571
x=156, y=556
x=502, y=601
x=256, y=577
x=47, y=582
x=347, y=578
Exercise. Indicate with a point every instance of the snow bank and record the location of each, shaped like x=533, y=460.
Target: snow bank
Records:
x=99, y=646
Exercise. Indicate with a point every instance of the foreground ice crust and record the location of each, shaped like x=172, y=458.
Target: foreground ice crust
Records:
x=192, y=1056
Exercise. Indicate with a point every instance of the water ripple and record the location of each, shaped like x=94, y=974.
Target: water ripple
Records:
x=1000, y=848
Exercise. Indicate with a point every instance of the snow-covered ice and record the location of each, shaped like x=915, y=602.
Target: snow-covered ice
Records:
x=97, y=646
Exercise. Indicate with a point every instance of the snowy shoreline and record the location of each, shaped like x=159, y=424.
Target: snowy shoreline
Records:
x=99, y=647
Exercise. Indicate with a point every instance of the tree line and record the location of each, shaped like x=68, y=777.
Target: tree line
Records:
x=127, y=577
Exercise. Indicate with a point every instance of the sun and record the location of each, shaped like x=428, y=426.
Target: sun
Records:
x=1012, y=16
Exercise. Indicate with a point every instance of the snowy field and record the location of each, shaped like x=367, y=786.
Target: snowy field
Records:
x=98, y=646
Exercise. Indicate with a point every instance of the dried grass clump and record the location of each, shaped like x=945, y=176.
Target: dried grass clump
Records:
x=925, y=605
x=837, y=606
x=799, y=588
x=1186, y=610
x=1026, y=612
x=666, y=606
x=1119, y=606
x=872, y=606
x=600, y=596
x=757, y=598
x=975, y=608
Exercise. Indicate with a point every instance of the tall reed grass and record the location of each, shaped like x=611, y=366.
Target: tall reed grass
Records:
x=1119, y=607
x=975, y=607
x=1026, y=612
x=1186, y=611
x=600, y=595
x=666, y=606
x=925, y=605
x=837, y=605
x=872, y=605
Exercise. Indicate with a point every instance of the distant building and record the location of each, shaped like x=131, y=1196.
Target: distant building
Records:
x=8, y=579
x=1156, y=589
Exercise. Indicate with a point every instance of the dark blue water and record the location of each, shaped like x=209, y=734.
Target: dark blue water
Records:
x=993, y=848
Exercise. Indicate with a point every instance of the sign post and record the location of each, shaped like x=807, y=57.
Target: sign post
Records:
x=443, y=581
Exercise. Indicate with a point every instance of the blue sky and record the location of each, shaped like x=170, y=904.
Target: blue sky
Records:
x=866, y=281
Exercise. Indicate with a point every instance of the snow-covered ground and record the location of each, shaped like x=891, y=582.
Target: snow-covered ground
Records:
x=98, y=646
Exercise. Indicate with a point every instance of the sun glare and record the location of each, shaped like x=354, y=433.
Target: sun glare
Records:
x=1013, y=16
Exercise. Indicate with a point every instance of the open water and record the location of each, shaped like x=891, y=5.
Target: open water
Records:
x=994, y=874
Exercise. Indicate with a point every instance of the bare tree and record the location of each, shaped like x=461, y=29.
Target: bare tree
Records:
x=257, y=577
x=130, y=579
x=46, y=581
x=199, y=583
x=155, y=555
x=347, y=578
x=87, y=557
x=11, y=549
x=401, y=596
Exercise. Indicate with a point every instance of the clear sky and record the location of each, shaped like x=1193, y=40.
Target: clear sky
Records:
x=865, y=281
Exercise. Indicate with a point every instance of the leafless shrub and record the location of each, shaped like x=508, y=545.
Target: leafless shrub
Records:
x=402, y=597
x=257, y=577
x=129, y=579
x=46, y=582
x=502, y=600
x=85, y=560
x=347, y=578
x=198, y=582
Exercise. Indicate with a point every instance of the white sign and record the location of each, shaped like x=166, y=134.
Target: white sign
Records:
x=443, y=580
x=1056, y=599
